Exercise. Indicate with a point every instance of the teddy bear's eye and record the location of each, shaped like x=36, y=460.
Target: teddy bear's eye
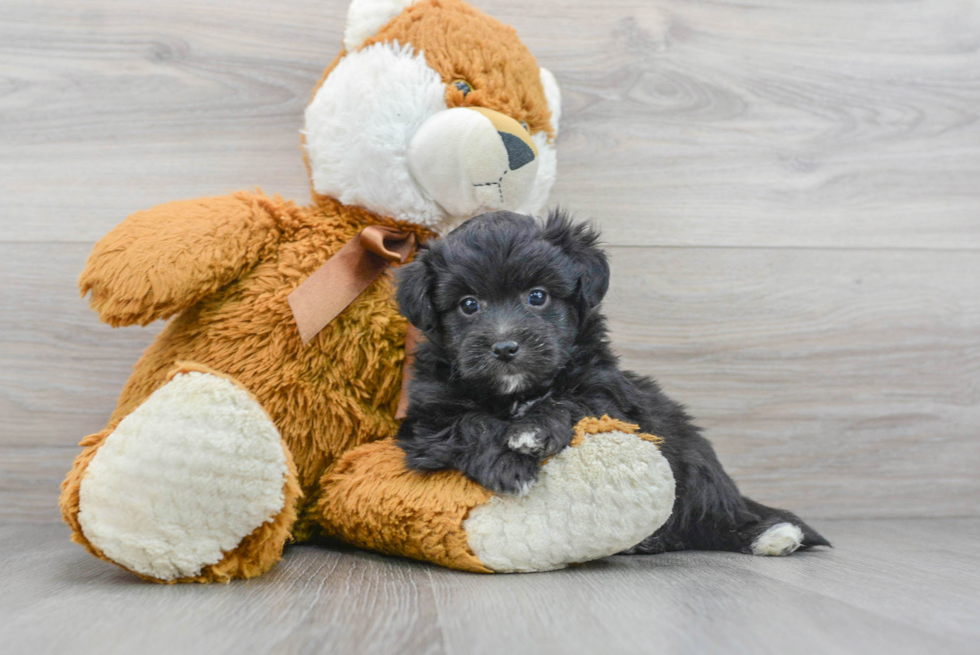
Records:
x=463, y=86
x=469, y=305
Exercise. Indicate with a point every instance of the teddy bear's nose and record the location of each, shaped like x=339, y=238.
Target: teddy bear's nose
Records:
x=518, y=152
x=472, y=160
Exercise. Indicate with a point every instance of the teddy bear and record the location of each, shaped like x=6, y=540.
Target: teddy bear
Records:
x=259, y=417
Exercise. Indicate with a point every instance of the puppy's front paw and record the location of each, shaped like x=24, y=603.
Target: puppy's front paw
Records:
x=512, y=473
x=542, y=440
x=527, y=440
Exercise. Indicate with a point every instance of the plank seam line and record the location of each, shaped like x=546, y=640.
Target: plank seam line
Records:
x=651, y=246
x=439, y=619
x=792, y=247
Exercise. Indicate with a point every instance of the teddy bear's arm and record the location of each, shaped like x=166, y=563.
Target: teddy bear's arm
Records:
x=162, y=260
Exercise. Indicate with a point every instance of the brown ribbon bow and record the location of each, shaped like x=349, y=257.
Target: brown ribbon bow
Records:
x=343, y=277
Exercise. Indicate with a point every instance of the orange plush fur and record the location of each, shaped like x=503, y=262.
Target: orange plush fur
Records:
x=223, y=267
x=461, y=43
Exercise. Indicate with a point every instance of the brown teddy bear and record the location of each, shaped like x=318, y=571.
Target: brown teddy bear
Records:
x=263, y=412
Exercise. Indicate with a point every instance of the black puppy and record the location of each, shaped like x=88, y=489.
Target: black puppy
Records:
x=517, y=353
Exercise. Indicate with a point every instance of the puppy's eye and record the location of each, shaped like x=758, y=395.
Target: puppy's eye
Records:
x=469, y=305
x=537, y=298
x=524, y=125
x=463, y=86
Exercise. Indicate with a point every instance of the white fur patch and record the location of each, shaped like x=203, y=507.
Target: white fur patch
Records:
x=359, y=126
x=525, y=442
x=780, y=539
x=590, y=501
x=552, y=94
x=511, y=383
x=184, y=478
x=366, y=17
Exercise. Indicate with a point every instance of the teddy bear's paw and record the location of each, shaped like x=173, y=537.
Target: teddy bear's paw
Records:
x=593, y=500
x=184, y=478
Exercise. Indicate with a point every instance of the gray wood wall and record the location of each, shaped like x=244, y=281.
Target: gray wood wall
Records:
x=790, y=190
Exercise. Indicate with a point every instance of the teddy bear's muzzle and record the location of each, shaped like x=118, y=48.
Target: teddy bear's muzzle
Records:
x=472, y=160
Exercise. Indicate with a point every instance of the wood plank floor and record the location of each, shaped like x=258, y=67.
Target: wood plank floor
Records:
x=789, y=192
x=888, y=586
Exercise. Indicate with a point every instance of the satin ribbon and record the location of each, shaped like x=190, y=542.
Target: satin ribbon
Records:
x=412, y=338
x=343, y=277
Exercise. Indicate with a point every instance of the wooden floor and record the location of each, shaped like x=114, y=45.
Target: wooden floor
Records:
x=790, y=192
x=889, y=586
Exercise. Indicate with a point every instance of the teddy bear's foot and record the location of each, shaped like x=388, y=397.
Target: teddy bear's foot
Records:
x=598, y=498
x=195, y=484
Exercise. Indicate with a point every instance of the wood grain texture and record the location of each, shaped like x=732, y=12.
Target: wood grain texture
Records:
x=837, y=383
x=887, y=587
x=778, y=122
x=843, y=124
x=30, y=481
x=60, y=368
x=698, y=602
x=58, y=599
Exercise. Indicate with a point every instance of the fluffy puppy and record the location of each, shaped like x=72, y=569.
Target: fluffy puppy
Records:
x=516, y=353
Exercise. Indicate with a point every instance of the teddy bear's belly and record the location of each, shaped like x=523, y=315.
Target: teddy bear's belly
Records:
x=338, y=392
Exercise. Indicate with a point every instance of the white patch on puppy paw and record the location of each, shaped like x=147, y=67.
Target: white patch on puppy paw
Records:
x=525, y=488
x=781, y=539
x=527, y=442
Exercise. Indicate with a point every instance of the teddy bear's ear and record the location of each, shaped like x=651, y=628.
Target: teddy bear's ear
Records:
x=366, y=17
x=553, y=94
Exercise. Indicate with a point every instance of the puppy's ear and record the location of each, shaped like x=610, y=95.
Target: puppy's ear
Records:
x=414, y=294
x=580, y=241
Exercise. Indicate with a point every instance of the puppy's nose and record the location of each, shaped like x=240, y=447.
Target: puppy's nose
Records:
x=505, y=350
